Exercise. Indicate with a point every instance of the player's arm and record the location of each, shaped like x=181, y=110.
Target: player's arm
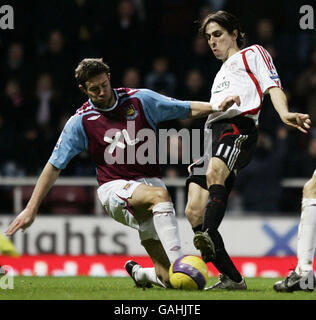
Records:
x=200, y=109
x=297, y=120
x=42, y=187
x=158, y=107
x=72, y=141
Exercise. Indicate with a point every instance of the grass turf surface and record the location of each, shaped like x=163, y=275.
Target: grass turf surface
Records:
x=112, y=288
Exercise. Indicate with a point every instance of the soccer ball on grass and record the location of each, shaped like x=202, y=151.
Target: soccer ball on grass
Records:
x=188, y=273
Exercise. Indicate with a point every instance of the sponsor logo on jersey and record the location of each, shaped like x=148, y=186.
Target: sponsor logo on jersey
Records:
x=114, y=142
x=222, y=86
x=94, y=117
x=131, y=112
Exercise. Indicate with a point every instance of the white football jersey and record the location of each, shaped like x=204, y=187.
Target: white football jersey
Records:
x=247, y=73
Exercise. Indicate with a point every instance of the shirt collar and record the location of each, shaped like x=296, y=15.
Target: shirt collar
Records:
x=106, y=109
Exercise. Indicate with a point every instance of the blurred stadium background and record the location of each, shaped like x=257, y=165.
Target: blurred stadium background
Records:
x=152, y=44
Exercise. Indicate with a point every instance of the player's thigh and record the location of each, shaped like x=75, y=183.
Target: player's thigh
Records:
x=159, y=257
x=197, y=200
x=217, y=172
x=145, y=197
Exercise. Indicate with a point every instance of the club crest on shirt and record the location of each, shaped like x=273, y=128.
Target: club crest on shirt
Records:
x=233, y=66
x=131, y=112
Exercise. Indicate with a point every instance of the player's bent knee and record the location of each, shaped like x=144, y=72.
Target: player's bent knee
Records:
x=215, y=176
x=160, y=195
x=194, y=215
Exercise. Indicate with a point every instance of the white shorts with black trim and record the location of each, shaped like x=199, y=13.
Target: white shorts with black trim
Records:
x=114, y=197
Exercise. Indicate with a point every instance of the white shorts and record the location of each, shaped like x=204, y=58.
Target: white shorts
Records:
x=113, y=196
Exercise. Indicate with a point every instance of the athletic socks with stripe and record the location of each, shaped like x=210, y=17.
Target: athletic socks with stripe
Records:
x=213, y=217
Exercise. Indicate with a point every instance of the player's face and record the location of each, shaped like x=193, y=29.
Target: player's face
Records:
x=99, y=90
x=220, y=41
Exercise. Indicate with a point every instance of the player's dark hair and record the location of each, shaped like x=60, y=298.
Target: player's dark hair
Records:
x=226, y=20
x=88, y=68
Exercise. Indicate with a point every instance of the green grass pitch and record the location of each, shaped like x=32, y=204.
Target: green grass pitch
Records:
x=112, y=288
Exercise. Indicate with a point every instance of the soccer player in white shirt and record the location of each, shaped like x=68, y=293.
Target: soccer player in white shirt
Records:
x=250, y=73
x=302, y=278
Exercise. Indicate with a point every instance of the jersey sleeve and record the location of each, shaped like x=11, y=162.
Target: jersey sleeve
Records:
x=265, y=70
x=72, y=141
x=158, y=108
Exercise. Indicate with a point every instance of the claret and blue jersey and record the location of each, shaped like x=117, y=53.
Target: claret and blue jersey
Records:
x=105, y=132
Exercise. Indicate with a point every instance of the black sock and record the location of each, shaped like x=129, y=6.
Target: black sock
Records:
x=215, y=208
x=222, y=261
x=197, y=228
x=213, y=216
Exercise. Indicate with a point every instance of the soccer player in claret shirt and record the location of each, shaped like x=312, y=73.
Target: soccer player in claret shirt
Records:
x=131, y=192
x=251, y=74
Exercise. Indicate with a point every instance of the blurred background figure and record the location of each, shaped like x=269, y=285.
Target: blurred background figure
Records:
x=304, y=164
x=122, y=39
x=194, y=89
x=306, y=83
x=265, y=33
x=131, y=78
x=259, y=183
x=46, y=101
x=54, y=57
x=15, y=66
x=161, y=79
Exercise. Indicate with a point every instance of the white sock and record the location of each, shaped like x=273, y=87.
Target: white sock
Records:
x=147, y=275
x=167, y=229
x=306, y=240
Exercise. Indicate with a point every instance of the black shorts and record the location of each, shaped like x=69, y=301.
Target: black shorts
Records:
x=233, y=141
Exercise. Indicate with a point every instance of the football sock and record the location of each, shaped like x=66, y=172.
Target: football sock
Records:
x=213, y=216
x=147, y=275
x=215, y=208
x=167, y=229
x=222, y=261
x=306, y=240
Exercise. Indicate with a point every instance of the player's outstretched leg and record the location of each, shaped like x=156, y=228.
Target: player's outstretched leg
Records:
x=228, y=284
x=159, y=275
x=203, y=242
x=296, y=282
x=157, y=200
x=132, y=267
x=207, y=239
x=194, y=211
x=303, y=277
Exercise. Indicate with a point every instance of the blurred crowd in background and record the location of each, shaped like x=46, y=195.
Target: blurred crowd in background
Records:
x=155, y=45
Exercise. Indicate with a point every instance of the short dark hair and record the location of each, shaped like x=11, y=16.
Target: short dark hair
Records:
x=90, y=67
x=226, y=20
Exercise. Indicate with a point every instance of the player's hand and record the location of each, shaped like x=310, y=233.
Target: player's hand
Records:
x=297, y=120
x=22, y=221
x=228, y=102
